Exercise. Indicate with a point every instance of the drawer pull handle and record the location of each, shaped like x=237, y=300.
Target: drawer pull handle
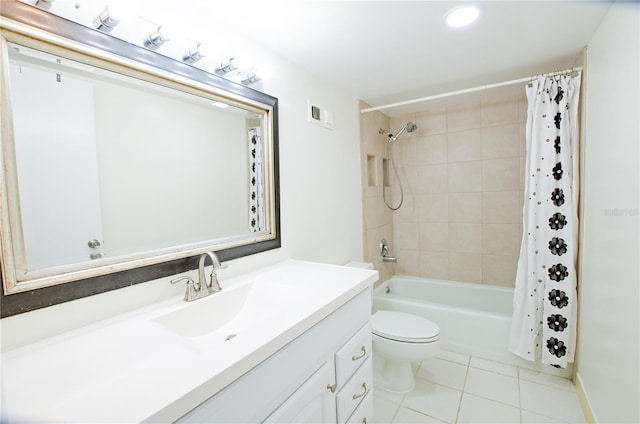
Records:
x=364, y=420
x=362, y=355
x=332, y=387
x=364, y=392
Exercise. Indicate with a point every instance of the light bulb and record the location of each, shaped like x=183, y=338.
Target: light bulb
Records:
x=195, y=54
x=156, y=39
x=462, y=16
x=113, y=13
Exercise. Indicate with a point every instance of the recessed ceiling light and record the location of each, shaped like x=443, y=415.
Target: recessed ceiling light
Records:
x=462, y=16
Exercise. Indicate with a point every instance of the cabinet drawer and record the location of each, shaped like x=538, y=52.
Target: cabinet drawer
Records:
x=356, y=389
x=364, y=412
x=353, y=354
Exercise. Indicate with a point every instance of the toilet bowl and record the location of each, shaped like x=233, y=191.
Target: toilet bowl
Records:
x=399, y=339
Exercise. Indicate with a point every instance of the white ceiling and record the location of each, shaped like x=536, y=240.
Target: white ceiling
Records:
x=389, y=51
x=380, y=51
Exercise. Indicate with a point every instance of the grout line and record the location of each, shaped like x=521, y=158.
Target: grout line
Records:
x=393, y=417
x=462, y=392
x=519, y=393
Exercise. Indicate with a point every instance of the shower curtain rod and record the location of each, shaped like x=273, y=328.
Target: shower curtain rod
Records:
x=469, y=90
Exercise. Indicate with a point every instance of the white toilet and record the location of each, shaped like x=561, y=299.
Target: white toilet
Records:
x=398, y=340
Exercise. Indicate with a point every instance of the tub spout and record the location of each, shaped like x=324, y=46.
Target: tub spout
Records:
x=391, y=259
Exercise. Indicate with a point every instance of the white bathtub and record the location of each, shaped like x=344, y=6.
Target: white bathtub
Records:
x=474, y=319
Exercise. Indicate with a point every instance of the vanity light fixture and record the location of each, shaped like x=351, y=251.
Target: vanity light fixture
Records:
x=108, y=19
x=462, y=16
x=225, y=68
x=250, y=78
x=194, y=55
x=156, y=39
x=44, y=4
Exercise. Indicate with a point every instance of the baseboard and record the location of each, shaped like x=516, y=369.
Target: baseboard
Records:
x=587, y=410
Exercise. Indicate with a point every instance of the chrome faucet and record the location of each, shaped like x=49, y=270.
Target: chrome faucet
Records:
x=384, y=252
x=213, y=285
x=204, y=287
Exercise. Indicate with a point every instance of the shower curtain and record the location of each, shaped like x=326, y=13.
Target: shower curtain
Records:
x=544, y=306
x=256, y=171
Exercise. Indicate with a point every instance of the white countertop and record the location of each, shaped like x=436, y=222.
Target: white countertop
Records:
x=132, y=369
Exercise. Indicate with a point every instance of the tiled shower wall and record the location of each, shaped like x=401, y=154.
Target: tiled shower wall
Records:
x=378, y=220
x=462, y=173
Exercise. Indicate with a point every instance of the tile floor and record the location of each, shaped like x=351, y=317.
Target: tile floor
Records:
x=456, y=388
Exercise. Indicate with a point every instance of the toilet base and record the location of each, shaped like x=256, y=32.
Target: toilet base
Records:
x=393, y=376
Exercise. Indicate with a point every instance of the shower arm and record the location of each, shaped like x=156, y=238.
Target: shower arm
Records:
x=393, y=138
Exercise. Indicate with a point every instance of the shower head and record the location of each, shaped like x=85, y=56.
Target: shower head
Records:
x=409, y=127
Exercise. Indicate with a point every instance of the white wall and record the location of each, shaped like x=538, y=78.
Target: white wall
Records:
x=321, y=203
x=608, y=364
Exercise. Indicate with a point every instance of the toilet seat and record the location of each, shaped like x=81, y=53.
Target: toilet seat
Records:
x=403, y=327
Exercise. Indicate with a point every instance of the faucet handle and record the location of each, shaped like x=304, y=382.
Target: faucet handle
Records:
x=189, y=280
x=190, y=294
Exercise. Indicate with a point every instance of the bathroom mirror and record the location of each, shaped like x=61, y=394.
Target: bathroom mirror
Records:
x=115, y=158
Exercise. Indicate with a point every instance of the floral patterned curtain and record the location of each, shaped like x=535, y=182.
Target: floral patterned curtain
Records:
x=256, y=192
x=544, y=306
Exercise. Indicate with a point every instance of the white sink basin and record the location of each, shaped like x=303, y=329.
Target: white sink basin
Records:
x=230, y=312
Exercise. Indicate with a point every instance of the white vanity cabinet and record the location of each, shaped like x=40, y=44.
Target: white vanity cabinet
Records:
x=324, y=375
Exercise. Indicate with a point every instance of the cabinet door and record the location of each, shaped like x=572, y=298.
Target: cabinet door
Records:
x=313, y=402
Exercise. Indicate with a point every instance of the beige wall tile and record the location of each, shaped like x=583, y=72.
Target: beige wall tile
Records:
x=405, y=235
x=501, y=174
x=501, y=141
x=522, y=108
x=408, y=177
x=433, y=207
x=434, y=237
x=465, y=207
x=465, y=267
x=501, y=207
x=465, y=238
x=405, y=151
x=465, y=177
x=434, y=264
x=432, y=149
x=501, y=239
x=499, y=270
x=432, y=179
x=375, y=213
x=431, y=122
x=500, y=112
x=408, y=262
x=409, y=211
x=463, y=117
x=464, y=146
x=523, y=171
x=370, y=213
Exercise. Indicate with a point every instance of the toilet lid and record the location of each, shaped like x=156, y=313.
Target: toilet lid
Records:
x=404, y=327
